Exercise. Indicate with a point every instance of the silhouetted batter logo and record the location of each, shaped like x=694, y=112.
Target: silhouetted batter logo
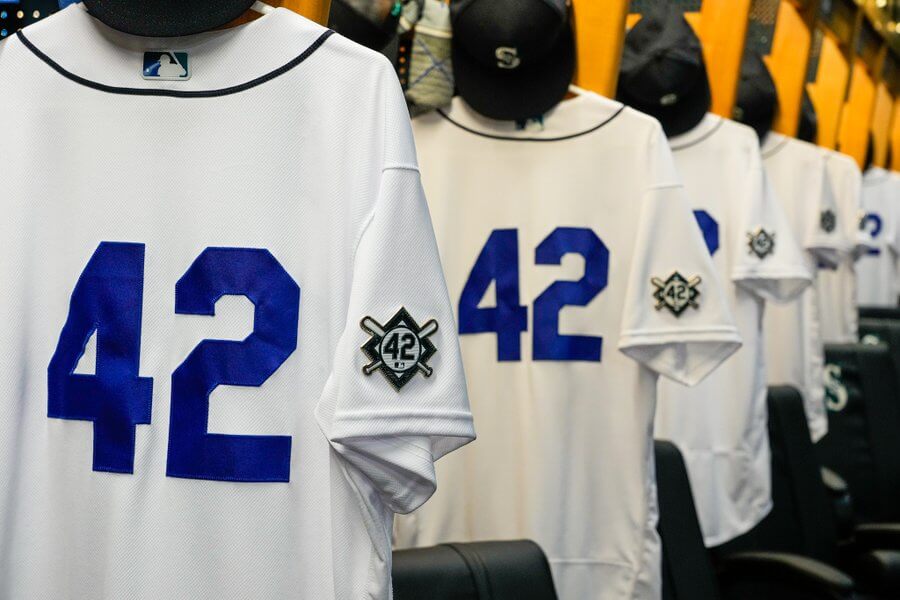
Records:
x=166, y=66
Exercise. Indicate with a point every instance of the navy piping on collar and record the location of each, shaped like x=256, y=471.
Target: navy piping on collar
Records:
x=776, y=149
x=700, y=139
x=531, y=139
x=176, y=93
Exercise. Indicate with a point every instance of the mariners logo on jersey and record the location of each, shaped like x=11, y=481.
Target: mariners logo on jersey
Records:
x=399, y=348
x=828, y=220
x=676, y=293
x=761, y=242
x=166, y=66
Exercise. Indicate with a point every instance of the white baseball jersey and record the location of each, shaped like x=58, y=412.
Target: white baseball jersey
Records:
x=877, y=269
x=794, y=347
x=579, y=274
x=836, y=284
x=721, y=424
x=185, y=409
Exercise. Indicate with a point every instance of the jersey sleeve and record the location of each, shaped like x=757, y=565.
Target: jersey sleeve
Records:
x=823, y=234
x=676, y=321
x=395, y=401
x=767, y=260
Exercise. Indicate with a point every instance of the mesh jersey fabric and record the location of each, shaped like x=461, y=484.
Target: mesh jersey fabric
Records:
x=720, y=425
x=590, y=203
x=880, y=223
x=836, y=284
x=794, y=348
x=284, y=163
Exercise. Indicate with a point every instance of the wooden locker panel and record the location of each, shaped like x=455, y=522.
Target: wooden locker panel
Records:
x=789, y=58
x=829, y=90
x=599, y=35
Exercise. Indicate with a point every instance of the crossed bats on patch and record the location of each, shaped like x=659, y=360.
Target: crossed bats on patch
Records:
x=692, y=283
x=373, y=327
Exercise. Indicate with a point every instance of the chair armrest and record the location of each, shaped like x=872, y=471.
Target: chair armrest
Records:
x=877, y=536
x=878, y=572
x=782, y=571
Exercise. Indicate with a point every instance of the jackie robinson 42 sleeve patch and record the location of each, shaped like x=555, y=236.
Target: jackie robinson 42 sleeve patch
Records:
x=676, y=293
x=399, y=349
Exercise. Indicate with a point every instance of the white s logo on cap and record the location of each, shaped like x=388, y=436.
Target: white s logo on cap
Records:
x=507, y=58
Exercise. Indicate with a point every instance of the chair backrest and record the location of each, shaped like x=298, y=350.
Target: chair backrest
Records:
x=474, y=571
x=802, y=520
x=883, y=331
x=879, y=312
x=687, y=568
x=863, y=442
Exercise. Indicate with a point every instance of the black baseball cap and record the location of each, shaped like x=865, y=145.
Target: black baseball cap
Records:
x=166, y=18
x=757, y=99
x=512, y=59
x=663, y=73
x=375, y=29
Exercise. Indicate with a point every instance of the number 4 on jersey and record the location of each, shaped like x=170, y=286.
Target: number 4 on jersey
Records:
x=107, y=300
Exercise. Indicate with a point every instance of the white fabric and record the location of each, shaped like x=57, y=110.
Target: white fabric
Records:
x=877, y=268
x=794, y=347
x=318, y=167
x=836, y=285
x=565, y=449
x=721, y=424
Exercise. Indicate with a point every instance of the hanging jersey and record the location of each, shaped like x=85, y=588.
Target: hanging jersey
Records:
x=185, y=410
x=880, y=223
x=579, y=275
x=794, y=348
x=721, y=425
x=836, y=284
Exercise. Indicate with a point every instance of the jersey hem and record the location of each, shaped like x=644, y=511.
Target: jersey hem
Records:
x=741, y=529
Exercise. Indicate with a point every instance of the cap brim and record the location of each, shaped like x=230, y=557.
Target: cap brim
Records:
x=515, y=94
x=680, y=117
x=171, y=18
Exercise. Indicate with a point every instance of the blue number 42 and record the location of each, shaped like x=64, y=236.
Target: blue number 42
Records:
x=499, y=262
x=107, y=301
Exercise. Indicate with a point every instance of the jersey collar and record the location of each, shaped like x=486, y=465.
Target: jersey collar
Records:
x=701, y=131
x=578, y=116
x=85, y=50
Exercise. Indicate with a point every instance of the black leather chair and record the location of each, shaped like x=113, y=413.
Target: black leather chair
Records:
x=863, y=440
x=879, y=312
x=883, y=331
x=802, y=520
x=513, y=570
x=688, y=572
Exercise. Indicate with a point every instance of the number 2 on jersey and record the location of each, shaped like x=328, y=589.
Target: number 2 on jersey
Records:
x=108, y=300
x=498, y=262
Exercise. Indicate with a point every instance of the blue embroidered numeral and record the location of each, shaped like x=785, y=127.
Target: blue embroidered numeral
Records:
x=710, y=229
x=874, y=231
x=194, y=453
x=498, y=262
x=548, y=343
x=107, y=300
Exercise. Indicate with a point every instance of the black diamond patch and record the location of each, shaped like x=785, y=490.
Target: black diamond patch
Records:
x=761, y=242
x=399, y=348
x=827, y=220
x=676, y=293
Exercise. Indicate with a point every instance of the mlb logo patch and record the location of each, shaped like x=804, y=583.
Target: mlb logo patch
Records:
x=166, y=65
